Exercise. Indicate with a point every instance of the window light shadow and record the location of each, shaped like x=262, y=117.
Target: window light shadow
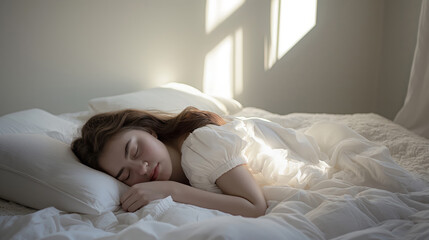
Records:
x=290, y=21
x=219, y=10
x=223, y=67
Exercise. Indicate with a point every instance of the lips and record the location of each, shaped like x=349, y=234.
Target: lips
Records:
x=155, y=173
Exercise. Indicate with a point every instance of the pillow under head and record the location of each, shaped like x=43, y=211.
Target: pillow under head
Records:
x=38, y=171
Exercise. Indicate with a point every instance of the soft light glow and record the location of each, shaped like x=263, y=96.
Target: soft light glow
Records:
x=218, y=66
x=274, y=26
x=160, y=76
x=280, y=166
x=297, y=18
x=219, y=10
x=223, y=67
x=238, y=61
x=290, y=20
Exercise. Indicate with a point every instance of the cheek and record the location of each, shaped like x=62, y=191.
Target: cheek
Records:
x=166, y=171
x=166, y=167
x=136, y=179
x=161, y=152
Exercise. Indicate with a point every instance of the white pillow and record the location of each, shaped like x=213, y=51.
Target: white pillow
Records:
x=38, y=171
x=172, y=97
x=40, y=122
x=233, y=106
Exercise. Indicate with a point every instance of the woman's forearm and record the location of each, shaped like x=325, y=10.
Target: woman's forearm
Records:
x=226, y=203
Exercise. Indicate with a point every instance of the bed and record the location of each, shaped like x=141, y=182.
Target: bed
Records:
x=47, y=194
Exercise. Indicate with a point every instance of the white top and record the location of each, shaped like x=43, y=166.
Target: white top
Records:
x=211, y=151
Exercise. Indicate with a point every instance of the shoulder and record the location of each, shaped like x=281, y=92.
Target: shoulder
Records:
x=210, y=151
x=225, y=135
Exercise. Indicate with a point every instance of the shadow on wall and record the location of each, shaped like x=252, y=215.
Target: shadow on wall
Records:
x=289, y=20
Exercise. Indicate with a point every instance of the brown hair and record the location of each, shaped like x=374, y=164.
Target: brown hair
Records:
x=101, y=127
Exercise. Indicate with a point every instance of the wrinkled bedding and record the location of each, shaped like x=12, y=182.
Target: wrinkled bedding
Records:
x=369, y=192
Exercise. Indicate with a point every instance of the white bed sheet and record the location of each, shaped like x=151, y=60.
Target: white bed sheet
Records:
x=335, y=210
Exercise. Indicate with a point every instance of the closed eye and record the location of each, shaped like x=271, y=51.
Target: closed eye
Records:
x=137, y=153
x=119, y=173
x=128, y=175
x=123, y=172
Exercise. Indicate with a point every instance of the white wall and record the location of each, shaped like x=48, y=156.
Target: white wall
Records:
x=332, y=69
x=58, y=54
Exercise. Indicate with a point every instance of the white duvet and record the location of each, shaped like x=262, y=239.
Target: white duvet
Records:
x=357, y=191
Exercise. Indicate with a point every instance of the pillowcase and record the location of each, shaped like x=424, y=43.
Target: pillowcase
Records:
x=233, y=106
x=40, y=122
x=172, y=97
x=38, y=171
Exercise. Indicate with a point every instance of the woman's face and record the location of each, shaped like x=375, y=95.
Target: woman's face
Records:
x=136, y=156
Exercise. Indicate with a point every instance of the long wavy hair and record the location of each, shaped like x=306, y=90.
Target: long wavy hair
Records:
x=168, y=127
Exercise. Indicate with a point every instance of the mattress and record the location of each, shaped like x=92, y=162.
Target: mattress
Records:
x=293, y=213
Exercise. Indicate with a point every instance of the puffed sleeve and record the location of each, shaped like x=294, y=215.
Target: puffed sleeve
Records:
x=209, y=152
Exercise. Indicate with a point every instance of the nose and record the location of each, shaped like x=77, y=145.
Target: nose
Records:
x=142, y=167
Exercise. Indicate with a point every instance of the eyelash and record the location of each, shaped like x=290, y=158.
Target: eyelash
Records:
x=136, y=154
x=129, y=174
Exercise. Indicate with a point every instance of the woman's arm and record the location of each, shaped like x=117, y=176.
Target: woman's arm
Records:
x=242, y=196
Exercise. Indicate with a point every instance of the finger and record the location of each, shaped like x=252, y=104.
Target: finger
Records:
x=124, y=196
x=137, y=205
x=127, y=194
x=129, y=201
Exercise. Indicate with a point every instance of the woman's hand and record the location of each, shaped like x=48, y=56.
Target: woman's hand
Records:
x=140, y=194
x=241, y=194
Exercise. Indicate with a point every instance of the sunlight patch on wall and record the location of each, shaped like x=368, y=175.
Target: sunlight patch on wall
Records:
x=219, y=10
x=238, y=62
x=160, y=75
x=290, y=21
x=223, y=67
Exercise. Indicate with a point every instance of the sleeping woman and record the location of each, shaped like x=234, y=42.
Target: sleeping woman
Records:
x=200, y=158
x=188, y=156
